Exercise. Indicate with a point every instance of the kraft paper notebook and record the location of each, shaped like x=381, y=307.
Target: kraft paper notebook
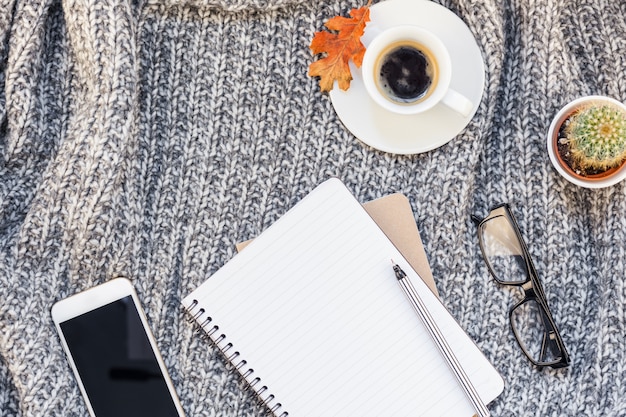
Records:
x=394, y=215
x=312, y=316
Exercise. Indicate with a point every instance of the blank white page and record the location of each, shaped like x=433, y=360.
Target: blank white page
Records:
x=314, y=308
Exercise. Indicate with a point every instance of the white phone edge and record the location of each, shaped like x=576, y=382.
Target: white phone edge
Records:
x=93, y=298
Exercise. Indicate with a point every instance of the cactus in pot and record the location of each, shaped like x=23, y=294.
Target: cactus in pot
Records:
x=596, y=136
x=586, y=141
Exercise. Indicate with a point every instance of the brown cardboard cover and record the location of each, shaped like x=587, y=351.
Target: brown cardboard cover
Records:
x=394, y=216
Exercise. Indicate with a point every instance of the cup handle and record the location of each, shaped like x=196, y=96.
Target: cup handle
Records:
x=458, y=102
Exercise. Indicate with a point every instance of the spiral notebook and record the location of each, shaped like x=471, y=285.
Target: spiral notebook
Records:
x=312, y=316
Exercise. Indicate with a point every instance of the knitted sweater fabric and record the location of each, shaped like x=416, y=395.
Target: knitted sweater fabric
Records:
x=145, y=139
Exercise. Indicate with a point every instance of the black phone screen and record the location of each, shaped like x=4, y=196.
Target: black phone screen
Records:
x=116, y=363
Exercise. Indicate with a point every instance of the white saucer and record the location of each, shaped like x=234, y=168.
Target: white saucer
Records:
x=410, y=134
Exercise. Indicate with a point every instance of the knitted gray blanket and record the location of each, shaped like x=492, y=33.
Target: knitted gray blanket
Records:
x=146, y=139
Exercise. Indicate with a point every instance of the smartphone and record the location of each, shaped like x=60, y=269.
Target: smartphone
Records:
x=113, y=354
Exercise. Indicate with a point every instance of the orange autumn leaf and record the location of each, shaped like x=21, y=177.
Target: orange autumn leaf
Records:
x=338, y=48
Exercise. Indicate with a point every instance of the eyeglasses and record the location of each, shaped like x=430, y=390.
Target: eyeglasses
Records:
x=508, y=261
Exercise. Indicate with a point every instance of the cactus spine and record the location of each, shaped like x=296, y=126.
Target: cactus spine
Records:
x=597, y=136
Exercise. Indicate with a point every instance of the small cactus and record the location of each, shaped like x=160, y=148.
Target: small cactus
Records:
x=596, y=135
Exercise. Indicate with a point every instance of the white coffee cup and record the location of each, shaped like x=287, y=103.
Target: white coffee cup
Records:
x=401, y=95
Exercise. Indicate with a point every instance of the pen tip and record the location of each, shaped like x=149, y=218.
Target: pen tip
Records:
x=398, y=271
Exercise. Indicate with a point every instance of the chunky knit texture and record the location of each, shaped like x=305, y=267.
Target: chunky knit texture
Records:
x=146, y=139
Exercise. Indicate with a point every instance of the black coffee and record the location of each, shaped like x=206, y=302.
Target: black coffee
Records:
x=406, y=74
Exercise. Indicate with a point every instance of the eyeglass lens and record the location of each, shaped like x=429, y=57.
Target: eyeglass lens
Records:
x=534, y=332
x=503, y=250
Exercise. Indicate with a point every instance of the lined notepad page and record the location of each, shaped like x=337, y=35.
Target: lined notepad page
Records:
x=314, y=308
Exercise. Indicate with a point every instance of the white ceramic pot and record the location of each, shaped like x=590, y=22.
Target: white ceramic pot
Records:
x=614, y=176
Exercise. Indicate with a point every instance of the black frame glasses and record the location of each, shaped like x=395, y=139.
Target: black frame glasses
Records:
x=509, y=263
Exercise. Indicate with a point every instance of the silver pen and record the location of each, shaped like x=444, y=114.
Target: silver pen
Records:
x=440, y=341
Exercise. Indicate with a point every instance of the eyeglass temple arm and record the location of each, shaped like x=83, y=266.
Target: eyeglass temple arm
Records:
x=532, y=272
x=549, y=340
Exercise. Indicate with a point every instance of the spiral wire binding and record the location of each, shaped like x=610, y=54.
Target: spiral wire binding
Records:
x=255, y=384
